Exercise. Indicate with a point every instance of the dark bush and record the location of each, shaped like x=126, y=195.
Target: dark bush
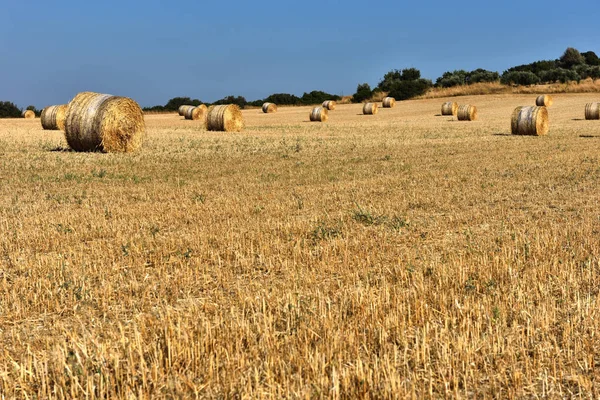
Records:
x=282, y=99
x=317, y=97
x=535, y=67
x=591, y=58
x=389, y=79
x=482, y=75
x=9, y=110
x=363, y=92
x=454, y=78
x=559, y=75
x=519, y=78
x=238, y=100
x=404, y=90
x=176, y=102
x=570, y=58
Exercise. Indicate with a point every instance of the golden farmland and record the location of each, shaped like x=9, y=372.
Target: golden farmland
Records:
x=396, y=255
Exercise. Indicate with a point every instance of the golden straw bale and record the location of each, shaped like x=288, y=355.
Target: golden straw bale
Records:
x=196, y=113
x=103, y=122
x=329, y=104
x=389, y=102
x=182, y=109
x=53, y=117
x=268, y=108
x=544, y=100
x=450, y=108
x=514, y=121
x=531, y=121
x=592, y=111
x=319, y=114
x=28, y=114
x=467, y=113
x=227, y=118
x=370, y=109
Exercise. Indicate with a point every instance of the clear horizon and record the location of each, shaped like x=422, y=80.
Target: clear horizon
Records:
x=154, y=51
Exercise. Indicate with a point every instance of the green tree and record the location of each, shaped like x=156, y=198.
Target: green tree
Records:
x=591, y=58
x=571, y=57
x=404, y=90
x=519, y=78
x=9, y=110
x=363, y=92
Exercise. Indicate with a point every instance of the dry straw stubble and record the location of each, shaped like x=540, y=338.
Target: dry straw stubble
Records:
x=28, y=114
x=592, y=111
x=389, y=102
x=53, y=117
x=269, y=108
x=544, y=100
x=329, y=104
x=319, y=114
x=104, y=122
x=467, y=113
x=225, y=118
x=370, y=109
x=532, y=121
x=198, y=113
x=450, y=108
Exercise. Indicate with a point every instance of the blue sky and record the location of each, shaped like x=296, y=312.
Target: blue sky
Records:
x=155, y=50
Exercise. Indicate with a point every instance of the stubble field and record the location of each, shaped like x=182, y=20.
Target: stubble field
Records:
x=396, y=255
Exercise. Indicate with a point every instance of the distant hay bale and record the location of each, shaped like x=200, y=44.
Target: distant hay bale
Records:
x=592, y=111
x=389, y=102
x=103, y=122
x=370, y=109
x=467, y=113
x=28, y=114
x=329, y=104
x=544, y=101
x=450, y=108
x=319, y=114
x=53, y=117
x=268, y=108
x=183, y=109
x=226, y=118
x=198, y=113
x=530, y=120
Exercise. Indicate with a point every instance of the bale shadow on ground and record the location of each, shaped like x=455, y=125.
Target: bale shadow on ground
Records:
x=578, y=119
x=502, y=134
x=589, y=136
x=61, y=149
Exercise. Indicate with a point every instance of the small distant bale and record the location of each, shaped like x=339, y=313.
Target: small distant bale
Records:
x=183, y=109
x=53, y=117
x=319, y=114
x=389, y=102
x=467, y=113
x=28, y=114
x=544, y=100
x=592, y=111
x=450, y=108
x=269, y=108
x=532, y=120
x=329, y=104
x=198, y=113
x=370, y=109
x=104, y=122
x=225, y=118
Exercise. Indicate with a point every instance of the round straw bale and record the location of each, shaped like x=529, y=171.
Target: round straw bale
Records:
x=544, y=100
x=268, y=108
x=370, y=109
x=183, y=109
x=532, y=120
x=28, y=114
x=389, y=102
x=319, y=114
x=450, y=108
x=592, y=111
x=514, y=121
x=467, y=113
x=329, y=104
x=53, y=117
x=103, y=122
x=227, y=118
x=196, y=113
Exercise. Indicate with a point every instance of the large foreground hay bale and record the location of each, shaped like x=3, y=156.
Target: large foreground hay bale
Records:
x=268, y=108
x=53, y=117
x=103, y=122
x=28, y=114
x=198, y=113
x=389, y=102
x=450, y=108
x=467, y=113
x=592, y=111
x=329, y=104
x=319, y=114
x=182, y=109
x=530, y=120
x=544, y=100
x=370, y=109
x=226, y=118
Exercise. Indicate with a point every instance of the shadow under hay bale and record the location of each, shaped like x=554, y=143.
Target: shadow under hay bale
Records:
x=53, y=117
x=101, y=122
x=319, y=114
x=225, y=118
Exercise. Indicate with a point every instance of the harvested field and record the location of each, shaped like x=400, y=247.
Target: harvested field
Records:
x=407, y=255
